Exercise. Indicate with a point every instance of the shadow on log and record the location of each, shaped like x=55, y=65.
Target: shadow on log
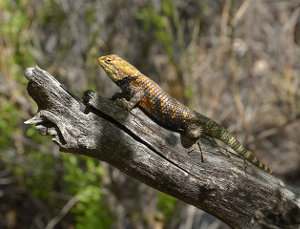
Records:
x=140, y=148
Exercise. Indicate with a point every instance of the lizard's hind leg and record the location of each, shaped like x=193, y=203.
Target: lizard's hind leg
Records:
x=192, y=136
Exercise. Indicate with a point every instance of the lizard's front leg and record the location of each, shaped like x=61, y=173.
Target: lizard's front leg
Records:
x=128, y=103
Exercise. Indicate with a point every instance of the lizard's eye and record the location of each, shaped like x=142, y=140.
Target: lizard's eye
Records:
x=108, y=60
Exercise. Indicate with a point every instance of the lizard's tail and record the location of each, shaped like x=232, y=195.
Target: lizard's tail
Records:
x=216, y=131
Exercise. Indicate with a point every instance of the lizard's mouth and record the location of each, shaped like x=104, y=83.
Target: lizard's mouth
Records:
x=101, y=61
x=106, y=67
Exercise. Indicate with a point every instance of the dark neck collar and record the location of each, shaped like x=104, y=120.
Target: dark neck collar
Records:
x=125, y=81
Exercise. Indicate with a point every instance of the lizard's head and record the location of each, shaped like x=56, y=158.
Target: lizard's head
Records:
x=116, y=67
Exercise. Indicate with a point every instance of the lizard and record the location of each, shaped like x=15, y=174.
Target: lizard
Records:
x=138, y=90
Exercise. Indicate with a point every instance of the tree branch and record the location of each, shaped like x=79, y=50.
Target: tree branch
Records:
x=140, y=148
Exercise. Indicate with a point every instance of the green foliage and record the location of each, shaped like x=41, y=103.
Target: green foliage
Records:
x=90, y=211
x=51, y=14
x=166, y=204
x=90, y=15
x=159, y=23
x=188, y=93
x=9, y=118
x=14, y=11
x=83, y=179
x=14, y=34
x=85, y=170
x=40, y=180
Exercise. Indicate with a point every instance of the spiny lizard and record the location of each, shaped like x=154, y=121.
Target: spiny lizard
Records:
x=139, y=90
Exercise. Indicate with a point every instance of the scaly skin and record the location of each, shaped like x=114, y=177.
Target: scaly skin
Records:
x=139, y=90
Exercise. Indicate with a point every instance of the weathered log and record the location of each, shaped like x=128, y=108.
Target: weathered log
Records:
x=136, y=145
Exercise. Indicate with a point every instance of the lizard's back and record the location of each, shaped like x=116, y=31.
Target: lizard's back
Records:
x=158, y=104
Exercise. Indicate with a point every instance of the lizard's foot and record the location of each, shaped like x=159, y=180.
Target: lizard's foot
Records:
x=126, y=101
x=123, y=103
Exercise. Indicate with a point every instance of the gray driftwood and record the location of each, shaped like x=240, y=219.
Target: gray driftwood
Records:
x=140, y=148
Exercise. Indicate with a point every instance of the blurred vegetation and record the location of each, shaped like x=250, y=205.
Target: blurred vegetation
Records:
x=235, y=60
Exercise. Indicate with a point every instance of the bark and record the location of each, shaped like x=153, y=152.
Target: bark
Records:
x=133, y=143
